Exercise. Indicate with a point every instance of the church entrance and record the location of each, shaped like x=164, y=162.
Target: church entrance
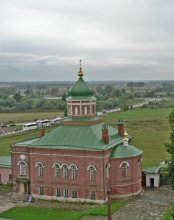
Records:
x=23, y=186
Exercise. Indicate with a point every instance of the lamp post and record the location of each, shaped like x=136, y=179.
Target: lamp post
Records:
x=109, y=204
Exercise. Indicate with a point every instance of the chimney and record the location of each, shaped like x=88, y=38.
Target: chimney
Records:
x=42, y=132
x=105, y=134
x=121, y=128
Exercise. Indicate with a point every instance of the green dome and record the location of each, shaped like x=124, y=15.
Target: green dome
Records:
x=122, y=151
x=81, y=88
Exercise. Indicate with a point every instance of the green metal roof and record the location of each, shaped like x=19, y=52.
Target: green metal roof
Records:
x=5, y=161
x=76, y=137
x=81, y=88
x=122, y=151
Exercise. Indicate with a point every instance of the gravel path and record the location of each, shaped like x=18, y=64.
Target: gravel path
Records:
x=150, y=205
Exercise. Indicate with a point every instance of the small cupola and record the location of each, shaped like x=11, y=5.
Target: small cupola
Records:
x=81, y=102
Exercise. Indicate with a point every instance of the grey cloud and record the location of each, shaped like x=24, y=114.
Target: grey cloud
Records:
x=116, y=39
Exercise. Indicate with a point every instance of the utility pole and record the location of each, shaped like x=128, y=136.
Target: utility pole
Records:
x=109, y=204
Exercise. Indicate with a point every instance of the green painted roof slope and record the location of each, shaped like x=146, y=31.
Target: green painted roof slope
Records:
x=5, y=161
x=122, y=151
x=81, y=88
x=76, y=137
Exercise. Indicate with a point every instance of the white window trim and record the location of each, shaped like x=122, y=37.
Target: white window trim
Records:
x=54, y=164
x=39, y=163
x=91, y=166
x=124, y=162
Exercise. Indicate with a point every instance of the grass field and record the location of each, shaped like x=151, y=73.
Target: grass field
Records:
x=36, y=213
x=150, y=130
x=27, y=116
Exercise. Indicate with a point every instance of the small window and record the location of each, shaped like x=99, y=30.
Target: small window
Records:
x=57, y=171
x=40, y=169
x=65, y=171
x=10, y=178
x=41, y=191
x=92, y=173
x=73, y=172
x=23, y=168
x=65, y=193
x=74, y=193
x=124, y=169
x=107, y=169
x=93, y=195
x=58, y=193
x=76, y=110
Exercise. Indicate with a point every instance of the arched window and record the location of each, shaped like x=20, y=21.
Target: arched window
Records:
x=124, y=168
x=107, y=169
x=92, y=172
x=57, y=171
x=22, y=168
x=65, y=171
x=73, y=171
x=40, y=168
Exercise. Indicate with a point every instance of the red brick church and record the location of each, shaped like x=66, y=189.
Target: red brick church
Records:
x=79, y=160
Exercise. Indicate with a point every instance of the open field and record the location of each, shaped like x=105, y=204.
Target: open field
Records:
x=150, y=130
x=37, y=213
x=27, y=116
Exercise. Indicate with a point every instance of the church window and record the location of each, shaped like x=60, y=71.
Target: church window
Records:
x=57, y=171
x=65, y=171
x=86, y=110
x=40, y=168
x=124, y=168
x=65, y=193
x=73, y=171
x=76, y=110
x=41, y=191
x=107, y=169
x=74, y=193
x=23, y=168
x=92, y=172
x=69, y=110
x=58, y=192
x=93, y=195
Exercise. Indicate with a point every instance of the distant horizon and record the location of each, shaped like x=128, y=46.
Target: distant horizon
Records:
x=71, y=81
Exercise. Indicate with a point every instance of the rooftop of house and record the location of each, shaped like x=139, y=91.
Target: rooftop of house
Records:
x=5, y=161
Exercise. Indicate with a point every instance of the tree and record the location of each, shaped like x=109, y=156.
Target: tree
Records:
x=170, y=149
x=17, y=97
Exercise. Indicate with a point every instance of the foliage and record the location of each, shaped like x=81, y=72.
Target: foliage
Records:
x=5, y=188
x=28, y=212
x=170, y=149
x=169, y=213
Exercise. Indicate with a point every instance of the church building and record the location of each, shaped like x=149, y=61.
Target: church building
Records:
x=79, y=160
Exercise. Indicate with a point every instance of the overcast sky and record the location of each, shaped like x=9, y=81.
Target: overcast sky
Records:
x=116, y=39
